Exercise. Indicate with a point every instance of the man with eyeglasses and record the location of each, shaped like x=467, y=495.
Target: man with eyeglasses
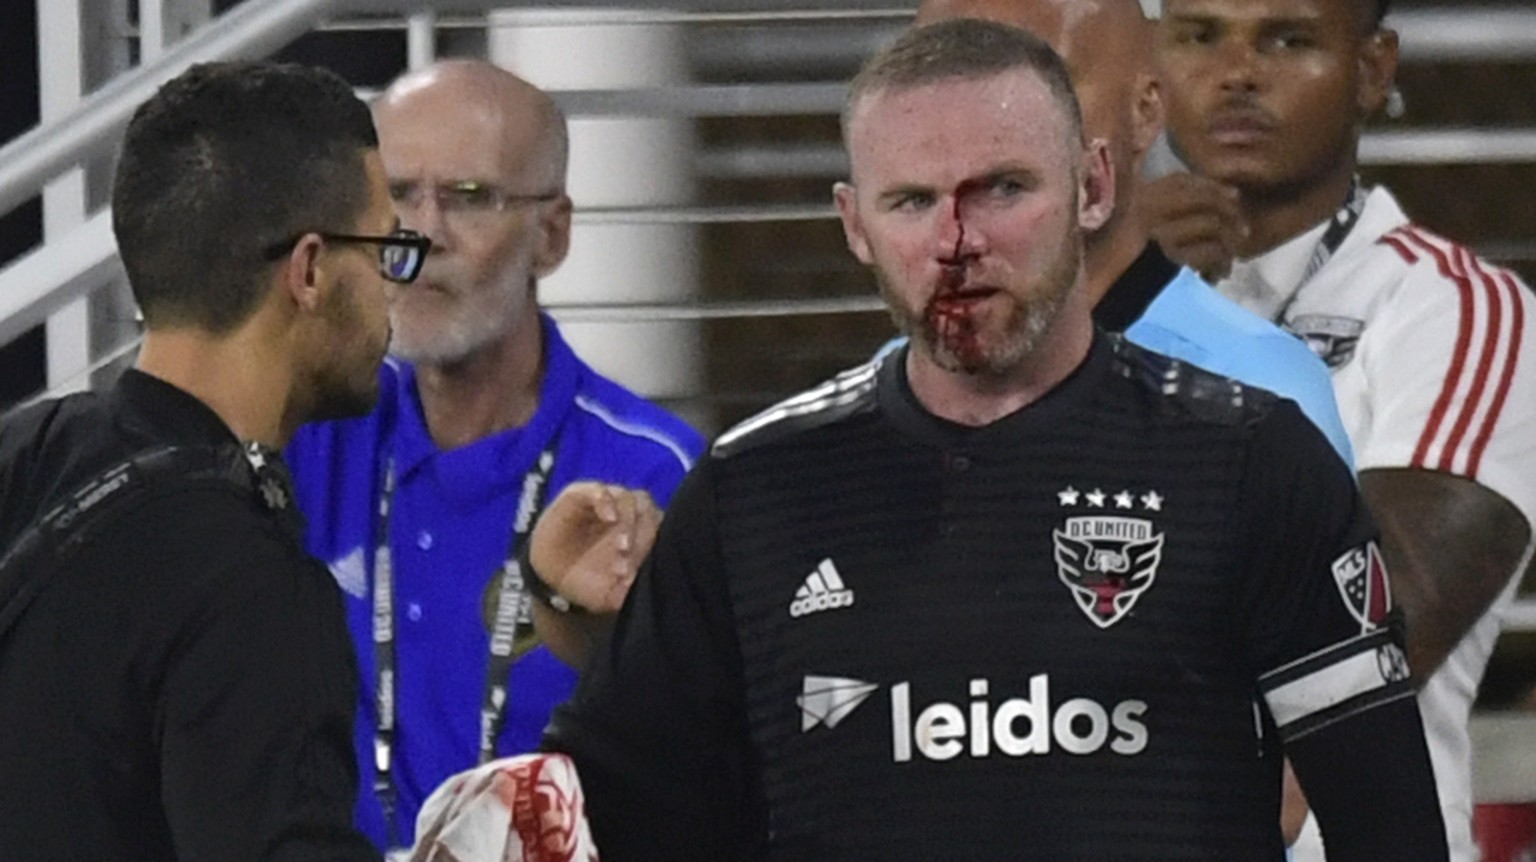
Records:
x=485, y=413
x=176, y=682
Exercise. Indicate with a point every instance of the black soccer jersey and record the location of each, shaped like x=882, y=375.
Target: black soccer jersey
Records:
x=1084, y=632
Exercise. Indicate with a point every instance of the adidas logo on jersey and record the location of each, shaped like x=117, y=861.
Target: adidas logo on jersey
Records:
x=823, y=590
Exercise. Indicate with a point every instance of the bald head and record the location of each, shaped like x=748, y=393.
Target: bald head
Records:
x=510, y=115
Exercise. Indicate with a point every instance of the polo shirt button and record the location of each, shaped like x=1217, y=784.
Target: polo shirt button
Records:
x=413, y=612
x=959, y=463
x=424, y=540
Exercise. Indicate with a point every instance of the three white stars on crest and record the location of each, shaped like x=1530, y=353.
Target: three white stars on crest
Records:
x=1070, y=496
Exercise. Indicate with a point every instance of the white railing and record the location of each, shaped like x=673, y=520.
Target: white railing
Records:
x=74, y=264
x=251, y=30
x=259, y=28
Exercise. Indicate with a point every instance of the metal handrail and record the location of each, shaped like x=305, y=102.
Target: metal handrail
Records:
x=56, y=274
x=256, y=29
x=1442, y=146
x=248, y=30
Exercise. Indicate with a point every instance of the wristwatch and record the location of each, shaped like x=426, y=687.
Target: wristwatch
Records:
x=541, y=590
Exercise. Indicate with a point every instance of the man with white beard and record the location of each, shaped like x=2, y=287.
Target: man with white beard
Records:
x=484, y=413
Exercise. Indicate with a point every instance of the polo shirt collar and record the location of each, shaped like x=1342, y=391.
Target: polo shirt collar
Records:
x=1266, y=283
x=513, y=450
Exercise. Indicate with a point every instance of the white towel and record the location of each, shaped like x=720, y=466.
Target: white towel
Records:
x=519, y=809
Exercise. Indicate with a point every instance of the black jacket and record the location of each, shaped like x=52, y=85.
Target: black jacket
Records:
x=183, y=687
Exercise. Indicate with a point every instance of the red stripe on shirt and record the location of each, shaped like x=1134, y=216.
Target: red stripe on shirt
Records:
x=1400, y=246
x=1458, y=358
x=1506, y=376
x=1485, y=358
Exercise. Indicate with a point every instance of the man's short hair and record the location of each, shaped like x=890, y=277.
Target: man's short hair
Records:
x=963, y=49
x=225, y=161
x=1381, y=8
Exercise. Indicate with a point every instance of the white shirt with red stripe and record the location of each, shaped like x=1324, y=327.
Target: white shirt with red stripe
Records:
x=1433, y=354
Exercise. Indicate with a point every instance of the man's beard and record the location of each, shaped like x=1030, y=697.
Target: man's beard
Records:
x=346, y=385
x=988, y=347
x=463, y=332
x=337, y=399
x=478, y=317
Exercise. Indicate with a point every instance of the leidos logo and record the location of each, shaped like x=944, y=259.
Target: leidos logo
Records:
x=1016, y=727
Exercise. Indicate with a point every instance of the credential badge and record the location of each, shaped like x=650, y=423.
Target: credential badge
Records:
x=1108, y=561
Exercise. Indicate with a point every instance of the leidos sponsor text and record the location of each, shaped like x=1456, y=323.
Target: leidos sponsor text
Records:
x=1016, y=727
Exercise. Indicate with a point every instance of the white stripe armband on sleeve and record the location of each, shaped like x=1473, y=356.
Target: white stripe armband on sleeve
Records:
x=1336, y=682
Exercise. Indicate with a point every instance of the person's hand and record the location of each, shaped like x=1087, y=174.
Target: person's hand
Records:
x=588, y=545
x=1293, y=807
x=1196, y=221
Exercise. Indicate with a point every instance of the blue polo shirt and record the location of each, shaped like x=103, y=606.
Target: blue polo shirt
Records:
x=450, y=528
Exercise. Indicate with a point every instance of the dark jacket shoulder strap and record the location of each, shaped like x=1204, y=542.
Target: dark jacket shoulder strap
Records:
x=65, y=524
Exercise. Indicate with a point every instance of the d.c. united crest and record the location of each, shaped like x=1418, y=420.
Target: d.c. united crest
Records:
x=1331, y=337
x=1108, y=562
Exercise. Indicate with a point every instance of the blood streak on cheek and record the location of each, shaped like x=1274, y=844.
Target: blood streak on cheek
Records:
x=953, y=322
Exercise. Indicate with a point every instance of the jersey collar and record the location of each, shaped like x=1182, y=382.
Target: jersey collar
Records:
x=898, y=402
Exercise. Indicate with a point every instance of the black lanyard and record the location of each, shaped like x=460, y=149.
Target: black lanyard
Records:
x=513, y=610
x=1328, y=244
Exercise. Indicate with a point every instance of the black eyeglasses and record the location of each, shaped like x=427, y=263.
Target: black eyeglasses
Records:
x=401, y=252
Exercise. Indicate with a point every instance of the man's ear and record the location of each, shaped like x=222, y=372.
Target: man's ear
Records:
x=1378, y=71
x=302, y=276
x=554, y=240
x=847, y=199
x=1146, y=112
x=1096, y=186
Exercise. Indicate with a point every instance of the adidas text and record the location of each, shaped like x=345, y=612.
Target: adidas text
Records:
x=821, y=602
x=1017, y=727
x=823, y=590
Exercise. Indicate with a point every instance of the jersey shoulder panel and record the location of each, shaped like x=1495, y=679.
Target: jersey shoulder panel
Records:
x=1428, y=259
x=643, y=427
x=1449, y=355
x=1181, y=389
x=848, y=394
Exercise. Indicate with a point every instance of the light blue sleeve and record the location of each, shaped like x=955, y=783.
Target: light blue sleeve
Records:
x=1190, y=321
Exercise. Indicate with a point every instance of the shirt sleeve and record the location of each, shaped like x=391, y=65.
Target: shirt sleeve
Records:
x=1328, y=652
x=1447, y=374
x=254, y=716
x=657, y=727
x=666, y=472
x=1318, y=602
